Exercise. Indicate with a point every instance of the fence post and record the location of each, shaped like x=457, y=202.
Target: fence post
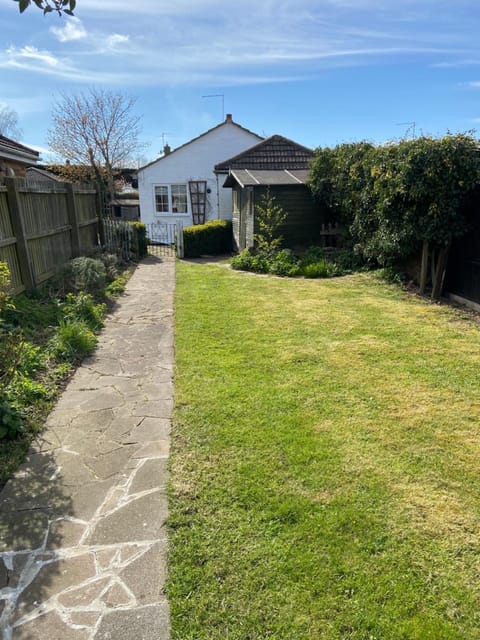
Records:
x=180, y=250
x=18, y=227
x=73, y=219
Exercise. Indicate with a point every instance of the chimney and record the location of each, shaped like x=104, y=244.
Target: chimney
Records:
x=229, y=118
x=166, y=149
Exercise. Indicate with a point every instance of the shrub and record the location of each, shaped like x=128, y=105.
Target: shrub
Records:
x=211, y=238
x=269, y=216
x=140, y=238
x=86, y=274
x=320, y=269
x=74, y=340
x=249, y=261
x=110, y=262
x=284, y=263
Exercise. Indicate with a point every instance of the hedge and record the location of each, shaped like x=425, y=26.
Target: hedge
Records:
x=211, y=238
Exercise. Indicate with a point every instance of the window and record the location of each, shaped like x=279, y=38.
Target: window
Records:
x=161, y=199
x=179, y=198
x=171, y=198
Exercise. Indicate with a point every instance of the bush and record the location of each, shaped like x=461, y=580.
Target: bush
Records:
x=74, y=340
x=140, y=238
x=212, y=238
x=284, y=263
x=86, y=274
x=248, y=261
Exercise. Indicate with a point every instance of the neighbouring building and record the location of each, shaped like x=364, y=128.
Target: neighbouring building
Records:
x=281, y=166
x=15, y=157
x=182, y=186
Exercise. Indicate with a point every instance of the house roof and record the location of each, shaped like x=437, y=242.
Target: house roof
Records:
x=275, y=153
x=12, y=150
x=228, y=120
x=270, y=177
x=42, y=174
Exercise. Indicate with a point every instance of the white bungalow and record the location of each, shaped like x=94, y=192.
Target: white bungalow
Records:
x=182, y=186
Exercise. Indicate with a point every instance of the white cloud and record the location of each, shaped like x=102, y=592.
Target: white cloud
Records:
x=25, y=56
x=71, y=29
x=116, y=39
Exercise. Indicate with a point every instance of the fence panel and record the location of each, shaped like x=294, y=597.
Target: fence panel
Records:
x=43, y=226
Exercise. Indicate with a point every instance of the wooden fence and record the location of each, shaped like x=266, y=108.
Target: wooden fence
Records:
x=42, y=227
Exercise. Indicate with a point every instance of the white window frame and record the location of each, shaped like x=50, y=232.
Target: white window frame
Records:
x=170, y=211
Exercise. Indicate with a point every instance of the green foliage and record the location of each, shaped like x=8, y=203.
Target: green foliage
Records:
x=86, y=274
x=140, y=238
x=394, y=197
x=110, y=262
x=116, y=287
x=284, y=263
x=4, y=285
x=212, y=238
x=74, y=340
x=312, y=264
x=47, y=6
x=11, y=421
x=269, y=217
x=82, y=307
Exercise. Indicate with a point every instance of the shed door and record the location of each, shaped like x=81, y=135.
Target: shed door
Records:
x=198, y=200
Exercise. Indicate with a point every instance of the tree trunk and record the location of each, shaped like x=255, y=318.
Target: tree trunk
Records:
x=424, y=268
x=440, y=270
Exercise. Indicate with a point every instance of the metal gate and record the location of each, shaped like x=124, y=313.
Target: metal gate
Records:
x=165, y=239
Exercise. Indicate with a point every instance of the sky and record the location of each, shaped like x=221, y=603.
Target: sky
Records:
x=320, y=72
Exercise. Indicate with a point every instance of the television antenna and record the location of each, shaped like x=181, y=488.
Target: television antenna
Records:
x=411, y=127
x=218, y=95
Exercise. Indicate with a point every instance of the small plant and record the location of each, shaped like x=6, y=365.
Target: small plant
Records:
x=11, y=421
x=74, y=340
x=4, y=285
x=116, y=287
x=270, y=217
x=320, y=269
x=82, y=307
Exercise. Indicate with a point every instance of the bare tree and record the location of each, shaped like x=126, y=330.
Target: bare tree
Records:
x=9, y=123
x=47, y=6
x=97, y=128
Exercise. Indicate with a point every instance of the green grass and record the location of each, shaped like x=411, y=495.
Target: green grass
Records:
x=325, y=462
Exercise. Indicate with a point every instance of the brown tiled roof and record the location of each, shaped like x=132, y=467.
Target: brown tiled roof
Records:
x=275, y=153
x=17, y=146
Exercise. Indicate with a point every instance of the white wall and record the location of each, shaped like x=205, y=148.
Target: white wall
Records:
x=195, y=161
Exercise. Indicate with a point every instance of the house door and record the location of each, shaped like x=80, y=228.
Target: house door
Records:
x=198, y=200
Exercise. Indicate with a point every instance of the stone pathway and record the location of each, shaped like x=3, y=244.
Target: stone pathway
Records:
x=82, y=535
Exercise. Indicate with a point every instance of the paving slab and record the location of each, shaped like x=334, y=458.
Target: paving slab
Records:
x=83, y=543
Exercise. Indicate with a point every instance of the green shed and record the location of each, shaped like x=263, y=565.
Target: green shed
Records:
x=282, y=166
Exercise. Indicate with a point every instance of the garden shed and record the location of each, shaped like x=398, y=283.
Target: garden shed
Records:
x=281, y=166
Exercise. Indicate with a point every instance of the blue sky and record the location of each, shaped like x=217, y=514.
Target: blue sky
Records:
x=317, y=71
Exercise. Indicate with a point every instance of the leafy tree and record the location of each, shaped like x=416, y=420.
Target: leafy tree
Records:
x=97, y=128
x=47, y=6
x=270, y=217
x=400, y=199
x=9, y=123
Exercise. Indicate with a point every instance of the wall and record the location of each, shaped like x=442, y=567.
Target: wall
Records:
x=195, y=161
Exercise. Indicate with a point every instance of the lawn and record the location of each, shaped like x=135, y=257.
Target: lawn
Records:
x=325, y=461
